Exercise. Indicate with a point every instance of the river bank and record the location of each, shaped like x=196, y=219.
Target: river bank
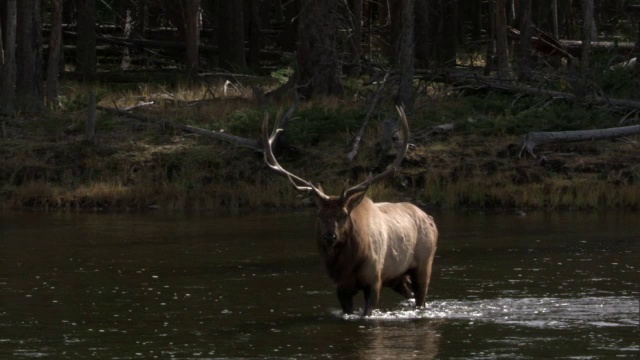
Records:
x=45, y=162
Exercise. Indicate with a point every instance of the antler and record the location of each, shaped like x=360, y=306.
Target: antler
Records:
x=363, y=186
x=270, y=159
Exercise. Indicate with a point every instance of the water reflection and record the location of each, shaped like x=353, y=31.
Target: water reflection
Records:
x=417, y=339
x=202, y=286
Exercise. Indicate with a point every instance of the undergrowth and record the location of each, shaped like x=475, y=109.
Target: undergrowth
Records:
x=45, y=162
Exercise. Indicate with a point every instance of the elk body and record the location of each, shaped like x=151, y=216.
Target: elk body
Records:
x=366, y=245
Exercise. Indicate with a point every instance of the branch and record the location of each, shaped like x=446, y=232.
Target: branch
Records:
x=374, y=103
x=533, y=139
x=236, y=140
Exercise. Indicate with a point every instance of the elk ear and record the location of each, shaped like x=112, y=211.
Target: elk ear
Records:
x=354, y=200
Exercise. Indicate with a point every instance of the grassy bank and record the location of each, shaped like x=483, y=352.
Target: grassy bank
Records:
x=45, y=162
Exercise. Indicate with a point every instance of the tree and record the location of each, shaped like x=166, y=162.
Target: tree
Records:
x=502, y=50
x=86, y=42
x=55, y=42
x=318, y=70
x=421, y=32
x=29, y=78
x=587, y=33
x=191, y=11
x=406, y=58
x=8, y=66
x=253, y=27
x=355, y=38
x=524, y=56
x=231, y=35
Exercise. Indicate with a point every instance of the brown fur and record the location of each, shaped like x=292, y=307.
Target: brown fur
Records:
x=367, y=245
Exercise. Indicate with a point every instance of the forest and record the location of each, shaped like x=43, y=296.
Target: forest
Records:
x=159, y=104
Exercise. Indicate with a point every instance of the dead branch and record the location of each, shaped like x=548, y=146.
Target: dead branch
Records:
x=533, y=139
x=217, y=135
x=374, y=103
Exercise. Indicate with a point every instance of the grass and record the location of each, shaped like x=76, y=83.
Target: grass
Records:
x=45, y=163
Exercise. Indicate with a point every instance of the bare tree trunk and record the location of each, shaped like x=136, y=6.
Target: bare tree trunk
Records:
x=533, y=139
x=554, y=15
x=231, y=35
x=524, y=58
x=318, y=68
x=90, y=125
x=449, y=32
x=253, y=24
x=406, y=58
x=422, y=32
x=55, y=42
x=192, y=35
x=86, y=41
x=587, y=26
x=355, y=40
x=504, y=70
x=1, y=45
x=126, y=56
x=29, y=76
x=8, y=67
x=490, y=61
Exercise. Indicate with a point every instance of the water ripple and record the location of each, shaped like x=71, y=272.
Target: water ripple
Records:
x=532, y=312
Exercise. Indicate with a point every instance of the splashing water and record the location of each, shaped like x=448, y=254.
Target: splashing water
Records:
x=533, y=312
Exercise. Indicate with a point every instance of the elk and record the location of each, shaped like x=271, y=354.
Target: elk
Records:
x=367, y=245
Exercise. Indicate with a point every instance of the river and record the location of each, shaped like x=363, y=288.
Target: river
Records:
x=205, y=286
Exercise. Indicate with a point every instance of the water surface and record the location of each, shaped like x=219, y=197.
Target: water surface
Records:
x=127, y=286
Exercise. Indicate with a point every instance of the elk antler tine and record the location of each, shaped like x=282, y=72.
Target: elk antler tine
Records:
x=272, y=162
x=404, y=127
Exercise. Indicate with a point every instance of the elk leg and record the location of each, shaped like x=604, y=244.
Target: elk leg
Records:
x=345, y=297
x=420, y=282
x=402, y=286
x=371, y=296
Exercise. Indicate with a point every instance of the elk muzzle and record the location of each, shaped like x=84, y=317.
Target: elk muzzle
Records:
x=329, y=238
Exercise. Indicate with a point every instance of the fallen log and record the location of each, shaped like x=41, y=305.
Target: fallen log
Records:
x=534, y=139
x=594, y=100
x=217, y=135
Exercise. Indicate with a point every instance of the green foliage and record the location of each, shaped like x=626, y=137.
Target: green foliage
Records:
x=282, y=75
x=316, y=123
x=309, y=125
x=503, y=114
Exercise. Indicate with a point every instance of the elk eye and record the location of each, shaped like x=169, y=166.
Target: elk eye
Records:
x=342, y=216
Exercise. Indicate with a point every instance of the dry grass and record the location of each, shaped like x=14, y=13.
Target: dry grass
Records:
x=45, y=164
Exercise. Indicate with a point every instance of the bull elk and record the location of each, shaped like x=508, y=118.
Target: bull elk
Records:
x=366, y=245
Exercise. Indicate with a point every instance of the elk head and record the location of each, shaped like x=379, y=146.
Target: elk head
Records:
x=334, y=215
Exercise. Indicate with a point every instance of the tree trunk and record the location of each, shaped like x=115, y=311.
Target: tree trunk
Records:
x=231, y=35
x=253, y=26
x=288, y=37
x=318, y=68
x=587, y=26
x=490, y=56
x=504, y=70
x=355, y=39
x=525, y=48
x=8, y=67
x=533, y=139
x=406, y=58
x=554, y=19
x=29, y=76
x=90, y=124
x=55, y=42
x=125, y=63
x=1, y=45
x=86, y=41
x=422, y=33
x=448, y=46
x=192, y=35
